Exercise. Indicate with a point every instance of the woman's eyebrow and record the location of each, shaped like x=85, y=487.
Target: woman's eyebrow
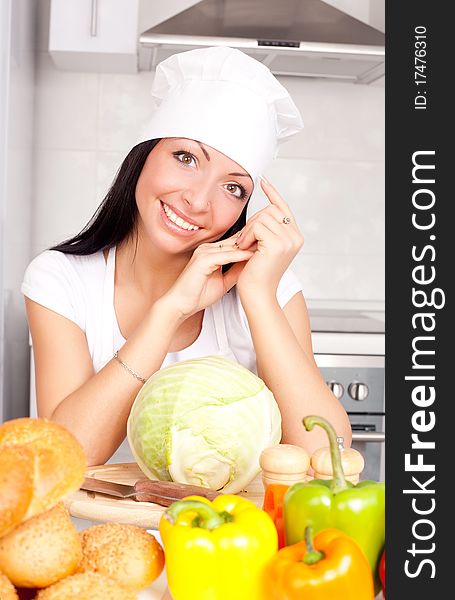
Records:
x=206, y=154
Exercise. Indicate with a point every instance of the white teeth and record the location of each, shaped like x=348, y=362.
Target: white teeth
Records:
x=178, y=220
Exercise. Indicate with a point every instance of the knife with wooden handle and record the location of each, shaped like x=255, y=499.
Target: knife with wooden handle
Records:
x=163, y=493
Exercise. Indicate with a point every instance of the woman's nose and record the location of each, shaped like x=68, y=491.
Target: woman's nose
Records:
x=198, y=198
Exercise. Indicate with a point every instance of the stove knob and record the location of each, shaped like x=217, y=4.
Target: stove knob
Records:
x=358, y=391
x=337, y=388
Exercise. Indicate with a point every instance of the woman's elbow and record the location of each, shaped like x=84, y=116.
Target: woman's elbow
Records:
x=343, y=427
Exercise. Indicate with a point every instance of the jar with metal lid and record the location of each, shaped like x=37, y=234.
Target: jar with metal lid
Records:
x=351, y=461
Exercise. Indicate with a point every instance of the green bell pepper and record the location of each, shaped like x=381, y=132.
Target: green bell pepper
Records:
x=357, y=510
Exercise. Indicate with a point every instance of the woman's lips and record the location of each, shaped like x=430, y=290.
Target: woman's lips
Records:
x=173, y=226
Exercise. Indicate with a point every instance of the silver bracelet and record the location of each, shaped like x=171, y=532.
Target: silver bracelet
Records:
x=125, y=366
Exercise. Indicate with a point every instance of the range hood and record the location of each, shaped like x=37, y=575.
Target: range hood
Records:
x=302, y=38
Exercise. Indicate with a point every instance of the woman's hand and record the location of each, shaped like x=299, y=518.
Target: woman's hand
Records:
x=202, y=282
x=275, y=238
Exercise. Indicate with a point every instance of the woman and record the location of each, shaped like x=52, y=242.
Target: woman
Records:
x=168, y=268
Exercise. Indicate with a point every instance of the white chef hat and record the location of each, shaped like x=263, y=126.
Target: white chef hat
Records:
x=222, y=97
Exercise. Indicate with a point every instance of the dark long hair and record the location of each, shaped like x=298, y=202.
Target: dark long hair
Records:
x=116, y=217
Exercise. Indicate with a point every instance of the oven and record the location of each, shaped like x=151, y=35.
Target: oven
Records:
x=349, y=351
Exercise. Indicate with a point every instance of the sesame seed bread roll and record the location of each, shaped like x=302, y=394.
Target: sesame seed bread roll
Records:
x=16, y=486
x=124, y=552
x=58, y=460
x=41, y=550
x=86, y=586
x=7, y=589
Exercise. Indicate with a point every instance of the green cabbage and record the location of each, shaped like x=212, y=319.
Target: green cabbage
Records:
x=205, y=422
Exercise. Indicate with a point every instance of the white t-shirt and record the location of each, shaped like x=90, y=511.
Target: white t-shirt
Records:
x=81, y=288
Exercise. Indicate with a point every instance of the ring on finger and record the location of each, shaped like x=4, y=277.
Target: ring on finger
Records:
x=286, y=220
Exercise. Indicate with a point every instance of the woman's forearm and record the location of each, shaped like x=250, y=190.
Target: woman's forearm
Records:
x=97, y=412
x=291, y=375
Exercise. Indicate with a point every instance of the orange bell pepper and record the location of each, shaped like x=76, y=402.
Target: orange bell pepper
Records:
x=335, y=567
x=273, y=506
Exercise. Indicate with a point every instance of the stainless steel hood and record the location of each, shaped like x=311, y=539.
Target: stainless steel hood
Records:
x=303, y=38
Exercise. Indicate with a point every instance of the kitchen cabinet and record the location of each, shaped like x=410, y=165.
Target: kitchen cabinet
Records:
x=94, y=35
x=102, y=35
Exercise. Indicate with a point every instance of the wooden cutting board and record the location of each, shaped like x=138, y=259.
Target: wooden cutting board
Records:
x=98, y=507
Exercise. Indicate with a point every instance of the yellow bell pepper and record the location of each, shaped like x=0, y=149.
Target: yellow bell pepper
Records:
x=217, y=550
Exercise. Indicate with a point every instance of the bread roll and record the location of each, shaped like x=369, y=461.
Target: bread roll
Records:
x=16, y=485
x=58, y=460
x=7, y=589
x=124, y=552
x=86, y=586
x=41, y=550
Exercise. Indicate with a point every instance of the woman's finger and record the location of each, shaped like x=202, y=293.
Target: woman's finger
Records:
x=215, y=247
x=275, y=198
x=270, y=222
x=289, y=237
x=231, y=277
x=232, y=238
x=263, y=233
x=226, y=242
x=214, y=260
x=277, y=214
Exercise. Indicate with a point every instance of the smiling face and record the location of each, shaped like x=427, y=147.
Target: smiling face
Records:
x=188, y=194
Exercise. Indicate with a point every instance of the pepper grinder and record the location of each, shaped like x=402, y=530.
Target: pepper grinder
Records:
x=284, y=464
x=352, y=462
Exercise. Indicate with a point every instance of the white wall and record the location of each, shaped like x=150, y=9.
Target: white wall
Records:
x=332, y=174
x=16, y=159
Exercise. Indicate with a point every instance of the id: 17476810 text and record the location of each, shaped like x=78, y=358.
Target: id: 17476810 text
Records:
x=420, y=66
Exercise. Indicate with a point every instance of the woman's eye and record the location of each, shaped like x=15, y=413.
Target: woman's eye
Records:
x=235, y=187
x=186, y=158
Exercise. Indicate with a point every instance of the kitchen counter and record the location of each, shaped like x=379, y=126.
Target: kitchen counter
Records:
x=350, y=328
x=348, y=343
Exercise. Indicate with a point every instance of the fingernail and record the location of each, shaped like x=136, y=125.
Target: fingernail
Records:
x=265, y=180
